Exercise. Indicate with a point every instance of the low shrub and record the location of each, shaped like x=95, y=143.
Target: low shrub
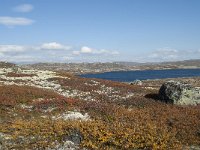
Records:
x=11, y=95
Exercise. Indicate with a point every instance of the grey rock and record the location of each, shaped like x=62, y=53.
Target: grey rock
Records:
x=2, y=146
x=74, y=136
x=179, y=93
x=194, y=147
x=70, y=142
x=67, y=145
x=136, y=82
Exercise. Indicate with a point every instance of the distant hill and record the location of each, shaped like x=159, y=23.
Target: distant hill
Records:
x=82, y=68
x=98, y=67
x=6, y=64
x=193, y=62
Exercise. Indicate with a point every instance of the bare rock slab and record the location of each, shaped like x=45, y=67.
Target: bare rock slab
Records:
x=179, y=93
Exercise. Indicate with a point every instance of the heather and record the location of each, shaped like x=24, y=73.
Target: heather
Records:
x=91, y=114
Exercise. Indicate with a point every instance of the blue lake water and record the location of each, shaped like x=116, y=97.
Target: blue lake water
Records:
x=128, y=76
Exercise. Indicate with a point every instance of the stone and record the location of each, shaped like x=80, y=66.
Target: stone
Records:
x=74, y=136
x=179, y=93
x=67, y=145
x=136, y=82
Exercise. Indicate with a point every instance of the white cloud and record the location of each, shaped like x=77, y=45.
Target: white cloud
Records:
x=23, y=48
x=11, y=48
x=102, y=51
x=2, y=54
x=23, y=8
x=15, y=21
x=53, y=52
x=91, y=51
x=164, y=54
x=106, y=52
x=20, y=58
x=76, y=52
x=86, y=49
x=47, y=52
x=115, y=53
x=54, y=46
x=165, y=51
x=169, y=54
x=65, y=58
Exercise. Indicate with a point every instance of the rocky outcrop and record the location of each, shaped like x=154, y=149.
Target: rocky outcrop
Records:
x=179, y=93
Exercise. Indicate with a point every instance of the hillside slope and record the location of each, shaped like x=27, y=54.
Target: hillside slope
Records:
x=57, y=110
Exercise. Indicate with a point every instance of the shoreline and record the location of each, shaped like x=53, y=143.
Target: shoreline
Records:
x=144, y=75
x=122, y=70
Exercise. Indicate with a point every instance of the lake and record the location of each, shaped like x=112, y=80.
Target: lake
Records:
x=128, y=76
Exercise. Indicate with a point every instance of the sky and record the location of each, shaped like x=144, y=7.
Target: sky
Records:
x=99, y=30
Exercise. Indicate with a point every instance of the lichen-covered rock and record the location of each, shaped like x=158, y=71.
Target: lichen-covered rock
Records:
x=74, y=136
x=179, y=93
x=4, y=139
x=67, y=145
x=136, y=82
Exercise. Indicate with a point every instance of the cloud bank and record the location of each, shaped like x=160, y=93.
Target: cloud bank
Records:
x=52, y=52
x=58, y=52
x=90, y=51
x=169, y=54
x=54, y=46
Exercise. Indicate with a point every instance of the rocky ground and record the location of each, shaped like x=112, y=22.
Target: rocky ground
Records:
x=57, y=110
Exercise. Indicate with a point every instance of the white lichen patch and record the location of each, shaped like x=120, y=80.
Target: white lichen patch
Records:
x=40, y=80
x=92, y=83
x=72, y=115
x=151, y=88
x=27, y=107
x=50, y=109
x=44, y=80
x=67, y=145
x=5, y=136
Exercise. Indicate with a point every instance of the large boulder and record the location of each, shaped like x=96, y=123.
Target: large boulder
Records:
x=179, y=93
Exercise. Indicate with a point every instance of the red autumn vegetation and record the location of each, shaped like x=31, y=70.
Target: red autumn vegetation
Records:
x=13, y=74
x=58, y=103
x=137, y=122
x=12, y=95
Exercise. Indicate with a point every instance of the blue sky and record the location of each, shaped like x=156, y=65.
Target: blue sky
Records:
x=99, y=30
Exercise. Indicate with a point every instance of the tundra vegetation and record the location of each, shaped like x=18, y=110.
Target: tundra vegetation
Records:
x=103, y=114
